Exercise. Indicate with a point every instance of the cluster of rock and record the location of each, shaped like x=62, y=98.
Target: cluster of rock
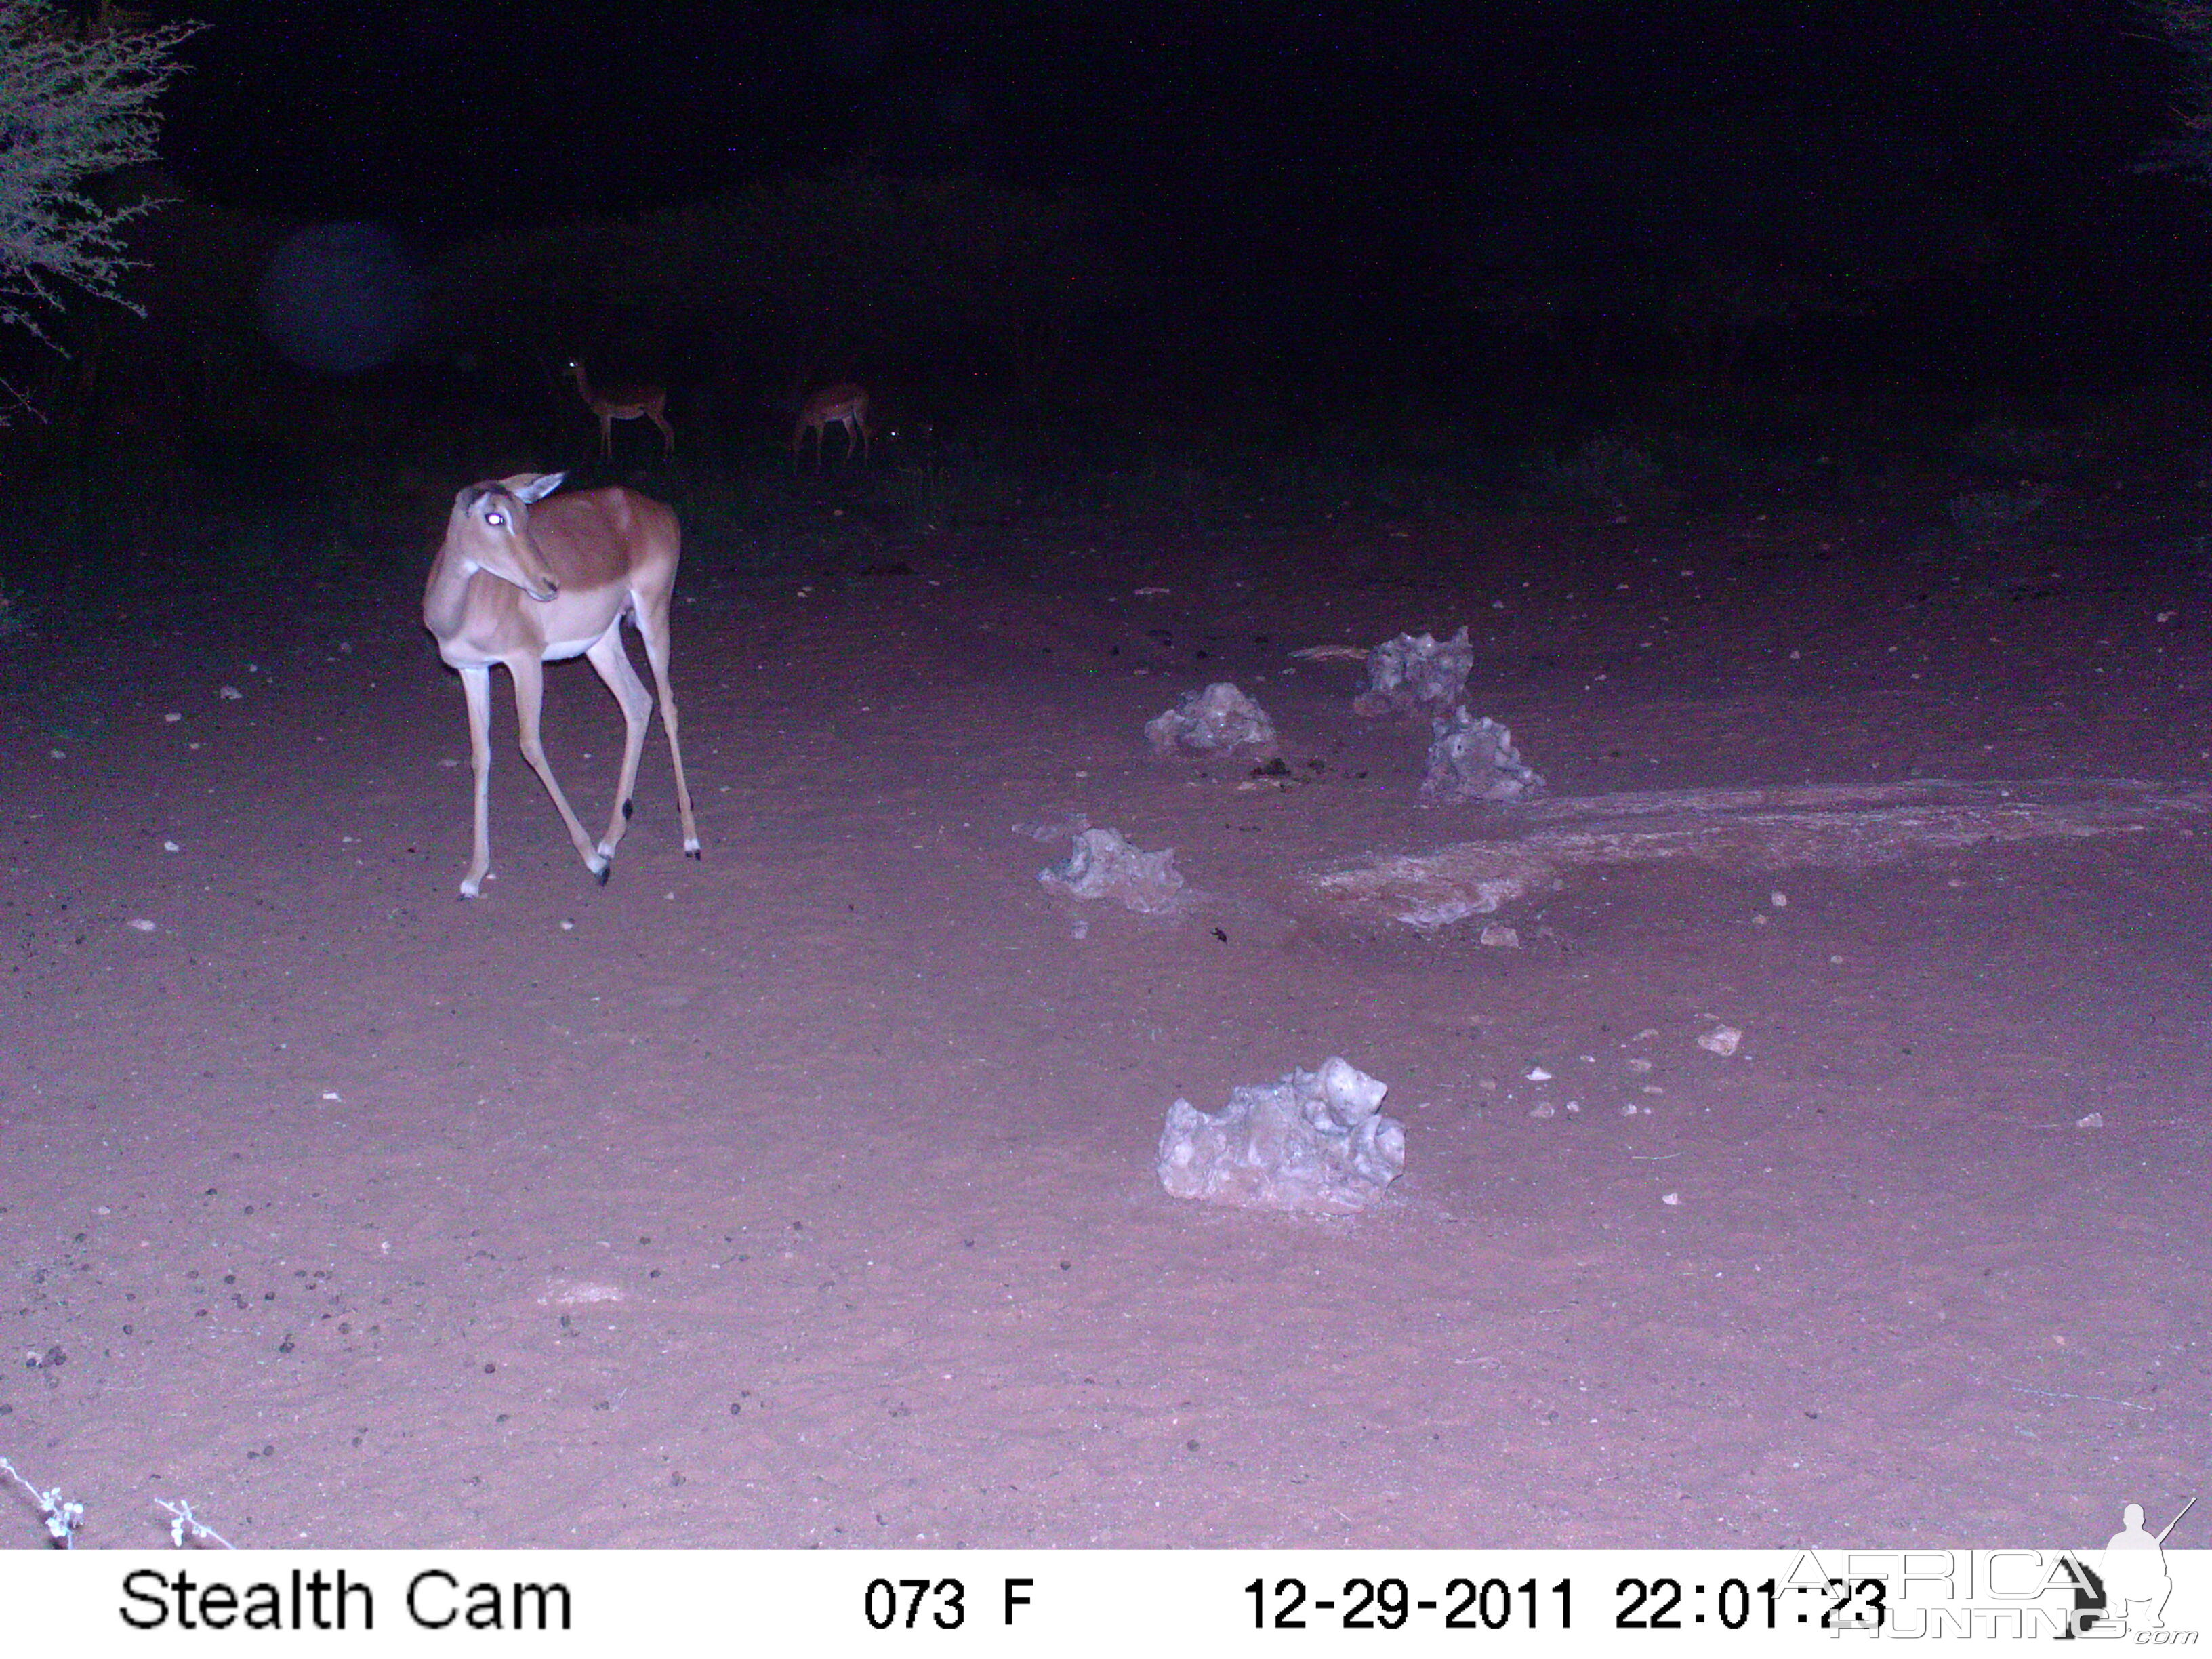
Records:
x=1472, y=758
x=1104, y=865
x=1316, y=1142
x=1416, y=674
x=1213, y=721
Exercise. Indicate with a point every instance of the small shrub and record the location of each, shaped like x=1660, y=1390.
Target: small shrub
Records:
x=1606, y=469
x=2016, y=447
x=1992, y=512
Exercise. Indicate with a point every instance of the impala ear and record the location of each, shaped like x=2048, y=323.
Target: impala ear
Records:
x=528, y=489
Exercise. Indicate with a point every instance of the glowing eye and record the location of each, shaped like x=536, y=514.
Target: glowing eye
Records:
x=495, y=518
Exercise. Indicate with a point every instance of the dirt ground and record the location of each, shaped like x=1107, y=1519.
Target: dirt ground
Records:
x=804, y=1195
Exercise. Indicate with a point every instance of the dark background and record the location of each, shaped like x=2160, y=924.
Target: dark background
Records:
x=1520, y=221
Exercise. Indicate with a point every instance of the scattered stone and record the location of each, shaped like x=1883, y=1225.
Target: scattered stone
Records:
x=142, y=925
x=1542, y=1109
x=1104, y=866
x=1639, y=1065
x=1500, y=937
x=1211, y=722
x=1670, y=1198
x=1537, y=1075
x=2093, y=1121
x=1778, y=899
x=1414, y=674
x=1722, y=1039
x=1313, y=1143
x=1472, y=758
x=230, y=694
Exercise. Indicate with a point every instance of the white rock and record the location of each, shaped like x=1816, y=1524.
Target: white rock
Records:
x=1313, y=1142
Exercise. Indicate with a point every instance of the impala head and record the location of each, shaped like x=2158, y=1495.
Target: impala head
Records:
x=489, y=530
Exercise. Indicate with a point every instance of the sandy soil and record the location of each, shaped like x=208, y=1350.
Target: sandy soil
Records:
x=804, y=1195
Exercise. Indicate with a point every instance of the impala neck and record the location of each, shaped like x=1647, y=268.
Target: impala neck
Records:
x=444, y=600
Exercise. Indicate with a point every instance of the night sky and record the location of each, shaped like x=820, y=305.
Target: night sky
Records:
x=1320, y=162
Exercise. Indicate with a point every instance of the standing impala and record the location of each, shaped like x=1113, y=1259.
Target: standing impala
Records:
x=623, y=402
x=525, y=582
x=844, y=404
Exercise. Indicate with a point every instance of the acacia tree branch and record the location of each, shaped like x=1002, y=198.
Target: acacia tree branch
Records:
x=74, y=107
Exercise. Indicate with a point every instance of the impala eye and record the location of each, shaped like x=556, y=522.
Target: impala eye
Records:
x=495, y=518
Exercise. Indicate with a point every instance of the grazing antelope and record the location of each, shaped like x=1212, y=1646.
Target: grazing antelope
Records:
x=844, y=404
x=525, y=580
x=623, y=402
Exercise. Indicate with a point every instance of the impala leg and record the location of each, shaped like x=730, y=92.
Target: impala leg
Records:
x=613, y=664
x=668, y=432
x=529, y=693
x=606, y=437
x=653, y=625
x=852, y=442
x=476, y=684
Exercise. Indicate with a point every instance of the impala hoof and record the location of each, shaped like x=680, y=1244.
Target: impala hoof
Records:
x=629, y=809
x=601, y=874
x=693, y=853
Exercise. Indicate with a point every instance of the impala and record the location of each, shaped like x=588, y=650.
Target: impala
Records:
x=844, y=404
x=524, y=580
x=623, y=402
